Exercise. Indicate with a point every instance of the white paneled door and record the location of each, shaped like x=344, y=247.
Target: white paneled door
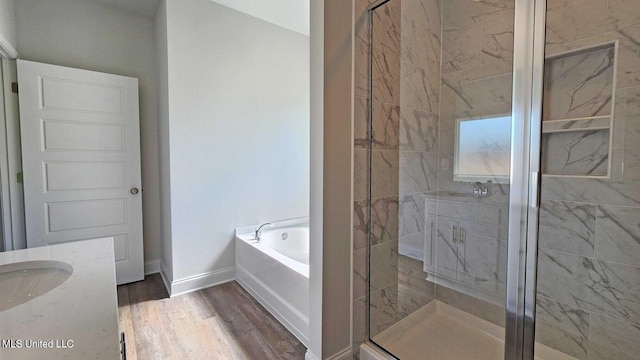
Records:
x=81, y=160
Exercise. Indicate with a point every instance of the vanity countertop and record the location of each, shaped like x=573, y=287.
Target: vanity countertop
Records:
x=79, y=318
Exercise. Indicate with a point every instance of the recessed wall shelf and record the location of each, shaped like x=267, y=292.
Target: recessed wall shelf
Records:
x=578, y=112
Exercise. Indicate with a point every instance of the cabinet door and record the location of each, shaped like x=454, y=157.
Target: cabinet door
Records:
x=446, y=251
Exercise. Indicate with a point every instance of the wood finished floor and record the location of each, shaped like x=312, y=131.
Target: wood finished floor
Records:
x=221, y=322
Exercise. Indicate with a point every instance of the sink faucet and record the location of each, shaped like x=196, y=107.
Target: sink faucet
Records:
x=259, y=230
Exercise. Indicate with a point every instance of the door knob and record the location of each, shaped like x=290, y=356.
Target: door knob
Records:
x=134, y=190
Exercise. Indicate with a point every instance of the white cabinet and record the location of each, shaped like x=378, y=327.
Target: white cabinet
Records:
x=466, y=242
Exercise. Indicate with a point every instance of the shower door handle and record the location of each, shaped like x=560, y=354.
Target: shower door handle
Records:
x=534, y=192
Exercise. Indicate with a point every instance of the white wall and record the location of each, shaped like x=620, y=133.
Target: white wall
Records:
x=8, y=22
x=337, y=178
x=238, y=130
x=91, y=36
x=163, y=138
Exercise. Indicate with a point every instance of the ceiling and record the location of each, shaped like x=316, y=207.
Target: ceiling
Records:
x=289, y=14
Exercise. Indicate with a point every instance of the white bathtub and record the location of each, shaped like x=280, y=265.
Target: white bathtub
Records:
x=276, y=272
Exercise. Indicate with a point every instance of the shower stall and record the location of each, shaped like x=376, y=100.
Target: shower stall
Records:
x=497, y=178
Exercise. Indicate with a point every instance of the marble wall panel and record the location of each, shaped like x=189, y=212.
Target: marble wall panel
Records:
x=621, y=13
x=579, y=85
x=418, y=172
x=384, y=219
x=386, y=77
x=419, y=87
x=497, y=39
x=414, y=291
x=599, y=286
x=360, y=223
x=386, y=126
x=626, y=122
x=411, y=214
x=461, y=48
x=461, y=13
x=486, y=97
x=387, y=27
x=384, y=260
x=360, y=277
x=567, y=226
x=562, y=327
x=384, y=173
x=360, y=123
x=360, y=174
x=569, y=20
x=590, y=190
x=611, y=339
x=627, y=58
x=420, y=33
x=576, y=153
x=418, y=130
x=618, y=234
x=454, y=298
x=383, y=309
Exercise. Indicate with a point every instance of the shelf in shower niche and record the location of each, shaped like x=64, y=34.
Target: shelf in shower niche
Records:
x=583, y=153
x=588, y=123
x=579, y=84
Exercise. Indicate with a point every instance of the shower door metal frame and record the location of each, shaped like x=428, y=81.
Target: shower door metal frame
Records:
x=524, y=201
x=524, y=196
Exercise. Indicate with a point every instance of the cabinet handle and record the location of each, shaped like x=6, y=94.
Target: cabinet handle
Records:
x=454, y=233
x=463, y=235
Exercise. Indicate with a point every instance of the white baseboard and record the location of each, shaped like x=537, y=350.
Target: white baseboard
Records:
x=347, y=353
x=310, y=356
x=201, y=281
x=152, y=267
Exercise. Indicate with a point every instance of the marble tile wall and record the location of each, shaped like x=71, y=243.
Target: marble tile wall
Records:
x=588, y=267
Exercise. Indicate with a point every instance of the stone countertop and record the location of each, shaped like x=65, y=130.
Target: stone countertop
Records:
x=82, y=311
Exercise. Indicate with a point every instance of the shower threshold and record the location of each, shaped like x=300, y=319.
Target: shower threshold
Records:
x=438, y=331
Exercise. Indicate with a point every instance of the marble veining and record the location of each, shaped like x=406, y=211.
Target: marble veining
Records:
x=385, y=256
x=576, y=153
x=618, y=234
x=384, y=219
x=418, y=171
x=383, y=309
x=562, y=327
x=386, y=124
x=612, y=339
x=419, y=87
x=579, y=85
x=567, y=226
x=497, y=39
x=621, y=13
x=418, y=130
x=594, y=285
x=569, y=20
x=411, y=214
x=627, y=118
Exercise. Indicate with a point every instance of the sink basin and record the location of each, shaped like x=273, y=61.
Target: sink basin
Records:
x=24, y=281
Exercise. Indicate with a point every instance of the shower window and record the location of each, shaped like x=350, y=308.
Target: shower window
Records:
x=483, y=150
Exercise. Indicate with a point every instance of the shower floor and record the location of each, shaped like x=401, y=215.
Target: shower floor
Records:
x=438, y=331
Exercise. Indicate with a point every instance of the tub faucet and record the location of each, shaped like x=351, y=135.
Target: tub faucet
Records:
x=259, y=230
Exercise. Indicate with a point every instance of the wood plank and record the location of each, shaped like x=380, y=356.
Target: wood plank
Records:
x=221, y=322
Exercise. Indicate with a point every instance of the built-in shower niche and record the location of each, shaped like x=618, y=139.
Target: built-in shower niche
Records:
x=578, y=112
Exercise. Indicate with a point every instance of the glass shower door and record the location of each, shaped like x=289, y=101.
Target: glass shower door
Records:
x=588, y=264
x=439, y=159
